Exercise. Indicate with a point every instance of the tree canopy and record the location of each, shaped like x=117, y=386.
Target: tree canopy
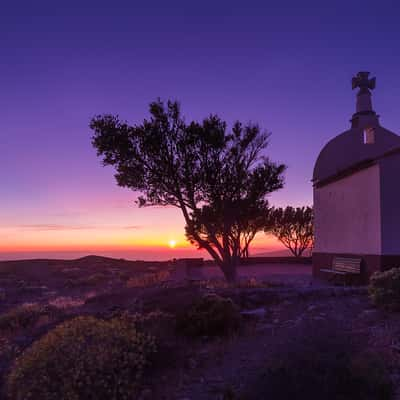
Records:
x=218, y=178
x=293, y=227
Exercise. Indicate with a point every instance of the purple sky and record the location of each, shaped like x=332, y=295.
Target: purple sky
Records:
x=286, y=65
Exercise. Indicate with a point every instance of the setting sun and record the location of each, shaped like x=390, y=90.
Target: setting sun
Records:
x=172, y=243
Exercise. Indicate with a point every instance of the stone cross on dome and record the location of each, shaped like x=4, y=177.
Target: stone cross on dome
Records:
x=362, y=81
x=364, y=103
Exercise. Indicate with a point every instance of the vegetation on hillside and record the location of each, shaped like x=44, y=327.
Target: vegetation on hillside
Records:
x=84, y=358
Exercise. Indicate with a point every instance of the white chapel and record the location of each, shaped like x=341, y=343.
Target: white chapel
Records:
x=356, y=183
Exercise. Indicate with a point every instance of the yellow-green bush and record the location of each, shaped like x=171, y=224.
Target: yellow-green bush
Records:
x=384, y=288
x=212, y=315
x=84, y=358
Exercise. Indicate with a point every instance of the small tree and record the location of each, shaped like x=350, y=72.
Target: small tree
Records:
x=293, y=227
x=250, y=228
x=218, y=179
x=247, y=216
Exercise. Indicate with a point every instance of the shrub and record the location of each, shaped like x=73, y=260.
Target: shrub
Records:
x=212, y=315
x=25, y=316
x=156, y=323
x=84, y=358
x=384, y=288
x=323, y=364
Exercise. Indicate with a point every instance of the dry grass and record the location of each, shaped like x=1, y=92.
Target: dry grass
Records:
x=150, y=279
x=63, y=302
x=220, y=283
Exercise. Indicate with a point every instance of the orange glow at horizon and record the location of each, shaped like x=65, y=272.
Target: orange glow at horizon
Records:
x=103, y=228
x=17, y=240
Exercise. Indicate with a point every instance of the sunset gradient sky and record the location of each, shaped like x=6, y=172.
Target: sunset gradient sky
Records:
x=286, y=65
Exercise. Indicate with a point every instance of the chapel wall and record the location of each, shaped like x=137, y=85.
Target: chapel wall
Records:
x=347, y=214
x=390, y=200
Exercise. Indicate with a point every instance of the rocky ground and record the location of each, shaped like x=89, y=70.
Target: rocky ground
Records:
x=237, y=363
x=275, y=315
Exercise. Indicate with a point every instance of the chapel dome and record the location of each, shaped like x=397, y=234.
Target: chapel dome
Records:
x=366, y=140
x=349, y=149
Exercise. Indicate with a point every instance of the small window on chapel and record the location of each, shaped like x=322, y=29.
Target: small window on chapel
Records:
x=369, y=135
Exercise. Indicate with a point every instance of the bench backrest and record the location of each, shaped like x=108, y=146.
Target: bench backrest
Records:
x=347, y=264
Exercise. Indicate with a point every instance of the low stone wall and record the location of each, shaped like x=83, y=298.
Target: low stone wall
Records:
x=275, y=260
x=189, y=268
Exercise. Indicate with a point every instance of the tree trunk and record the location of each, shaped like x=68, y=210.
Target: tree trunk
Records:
x=229, y=268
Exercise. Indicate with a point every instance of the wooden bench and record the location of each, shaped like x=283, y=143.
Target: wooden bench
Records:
x=344, y=266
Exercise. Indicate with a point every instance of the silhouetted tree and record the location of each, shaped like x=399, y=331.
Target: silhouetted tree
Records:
x=293, y=227
x=244, y=217
x=218, y=179
x=250, y=228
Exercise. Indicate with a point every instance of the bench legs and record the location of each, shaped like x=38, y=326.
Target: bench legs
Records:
x=336, y=279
